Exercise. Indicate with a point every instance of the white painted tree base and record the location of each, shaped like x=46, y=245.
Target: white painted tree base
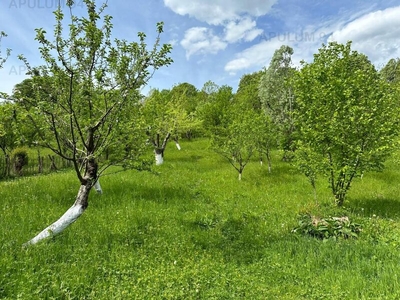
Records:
x=178, y=146
x=69, y=217
x=159, y=159
x=97, y=187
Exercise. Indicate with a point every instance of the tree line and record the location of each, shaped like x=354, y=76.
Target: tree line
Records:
x=336, y=116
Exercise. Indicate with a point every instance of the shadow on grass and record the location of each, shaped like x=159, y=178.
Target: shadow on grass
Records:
x=389, y=208
x=241, y=240
x=184, y=158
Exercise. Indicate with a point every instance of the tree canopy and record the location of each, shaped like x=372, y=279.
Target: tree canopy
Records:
x=347, y=117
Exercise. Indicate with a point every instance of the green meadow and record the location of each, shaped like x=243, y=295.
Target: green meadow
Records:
x=191, y=230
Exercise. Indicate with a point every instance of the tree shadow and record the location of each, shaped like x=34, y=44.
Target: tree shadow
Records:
x=184, y=158
x=384, y=207
x=242, y=240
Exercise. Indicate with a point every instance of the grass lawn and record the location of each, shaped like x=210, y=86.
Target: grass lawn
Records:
x=193, y=231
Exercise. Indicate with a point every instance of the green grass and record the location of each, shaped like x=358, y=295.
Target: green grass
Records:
x=193, y=231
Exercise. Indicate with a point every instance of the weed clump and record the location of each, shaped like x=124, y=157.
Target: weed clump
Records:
x=327, y=228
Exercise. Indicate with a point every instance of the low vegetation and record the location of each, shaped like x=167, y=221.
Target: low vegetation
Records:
x=191, y=230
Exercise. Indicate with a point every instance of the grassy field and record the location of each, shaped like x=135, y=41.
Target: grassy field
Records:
x=193, y=231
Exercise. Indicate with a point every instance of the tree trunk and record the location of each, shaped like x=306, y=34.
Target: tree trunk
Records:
x=97, y=187
x=8, y=165
x=159, y=155
x=53, y=166
x=177, y=143
x=40, y=163
x=69, y=217
x=339, y=198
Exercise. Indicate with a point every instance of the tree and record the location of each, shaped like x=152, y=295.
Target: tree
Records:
x=276, y=93
x=347, y=117
x=391, y=71
x=7, y=133
x=248, y=96
x=236, y=141
x=186, y=97
x=91, y=81
x=163, y=117
x=216, y=102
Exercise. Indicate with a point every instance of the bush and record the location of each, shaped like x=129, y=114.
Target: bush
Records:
x=327, y=228
x=20, y=159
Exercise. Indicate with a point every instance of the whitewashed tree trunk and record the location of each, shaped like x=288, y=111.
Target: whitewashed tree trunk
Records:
x=159, y=157
x=240, y=176
x=177, y=145
x=97, y=187
x=69, y=217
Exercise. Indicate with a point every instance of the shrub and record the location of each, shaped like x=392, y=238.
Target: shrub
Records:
x=20, y=159
x=327, y=228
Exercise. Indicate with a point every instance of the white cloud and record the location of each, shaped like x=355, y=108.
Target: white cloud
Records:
x=216, y=12
x=201, y=40
x=235, y=16
x=244, y=28
x=255, y=56
x=375, y=34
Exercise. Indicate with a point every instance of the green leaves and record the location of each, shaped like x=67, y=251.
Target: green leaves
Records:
x=8, y=51
x=327, y=228
x=276, y=94
x=345, y=115
x=83, y=99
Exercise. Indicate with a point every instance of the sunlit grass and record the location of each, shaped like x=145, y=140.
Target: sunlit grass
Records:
x=193, y=231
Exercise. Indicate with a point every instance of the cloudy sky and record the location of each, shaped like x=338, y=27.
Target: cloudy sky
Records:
x=217, y=40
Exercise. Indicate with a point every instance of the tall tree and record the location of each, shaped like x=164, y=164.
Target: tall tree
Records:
x=90, y=81
x=347, y=116
x=186, y=96
x=276, y=93
x=216, y=101
x=248, y=96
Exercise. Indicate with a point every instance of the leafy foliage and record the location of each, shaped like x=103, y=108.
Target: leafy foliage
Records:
x=238, y=139
x=84, y=97
x=391, y=71
x=327, y=228
x=277, y=97
x=8, y=51
x=216, y=103
x=347, y=116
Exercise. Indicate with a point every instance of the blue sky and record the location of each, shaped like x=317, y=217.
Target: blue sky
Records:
x=217, y=40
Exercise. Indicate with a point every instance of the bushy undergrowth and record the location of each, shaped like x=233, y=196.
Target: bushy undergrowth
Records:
x=192, y=231
x=327, y=228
